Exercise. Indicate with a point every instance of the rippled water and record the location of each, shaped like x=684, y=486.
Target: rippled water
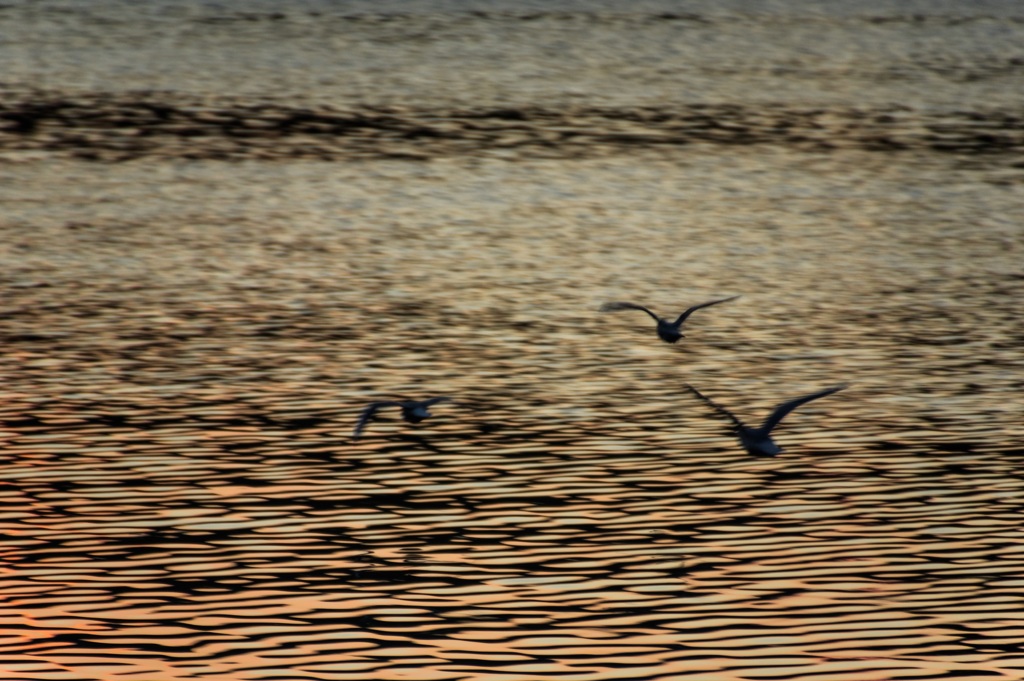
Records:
x=953, y=54
x=185, y=346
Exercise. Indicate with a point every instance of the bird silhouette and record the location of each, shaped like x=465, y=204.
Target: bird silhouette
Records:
x=758, y=441
x=413, y=411
x=670, y=332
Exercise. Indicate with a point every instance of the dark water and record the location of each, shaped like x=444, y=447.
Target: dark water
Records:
x=191, y=325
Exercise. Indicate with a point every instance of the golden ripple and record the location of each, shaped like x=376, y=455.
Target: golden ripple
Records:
x=181, y=498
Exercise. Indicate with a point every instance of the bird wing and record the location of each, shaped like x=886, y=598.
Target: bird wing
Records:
x=368, y=414
x=780, y=411
x=682, y=317
x=434, y=400
x=720, y=409
x=615, y=307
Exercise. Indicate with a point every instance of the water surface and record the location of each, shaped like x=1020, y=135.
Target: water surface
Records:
x=187, y=341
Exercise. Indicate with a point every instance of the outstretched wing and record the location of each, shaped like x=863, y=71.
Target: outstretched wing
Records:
x=786, y=407
x=682, y=317
x=615, y=307
x=720, y=409
x=434, y=400
x=368, y=414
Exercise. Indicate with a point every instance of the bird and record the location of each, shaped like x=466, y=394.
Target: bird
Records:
x=413, y=411
x=758, y=441
x=670, y=332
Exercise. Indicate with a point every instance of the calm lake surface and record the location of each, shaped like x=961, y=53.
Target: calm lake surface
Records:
x=225, y=228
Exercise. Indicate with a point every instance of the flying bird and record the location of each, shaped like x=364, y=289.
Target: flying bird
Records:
x=413, y=411
x=668, y=331
x=758, y=441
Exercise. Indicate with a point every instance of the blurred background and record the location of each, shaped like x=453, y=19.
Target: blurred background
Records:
x=226, y=227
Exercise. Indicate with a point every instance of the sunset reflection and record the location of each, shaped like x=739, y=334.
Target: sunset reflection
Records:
x=215, y=257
